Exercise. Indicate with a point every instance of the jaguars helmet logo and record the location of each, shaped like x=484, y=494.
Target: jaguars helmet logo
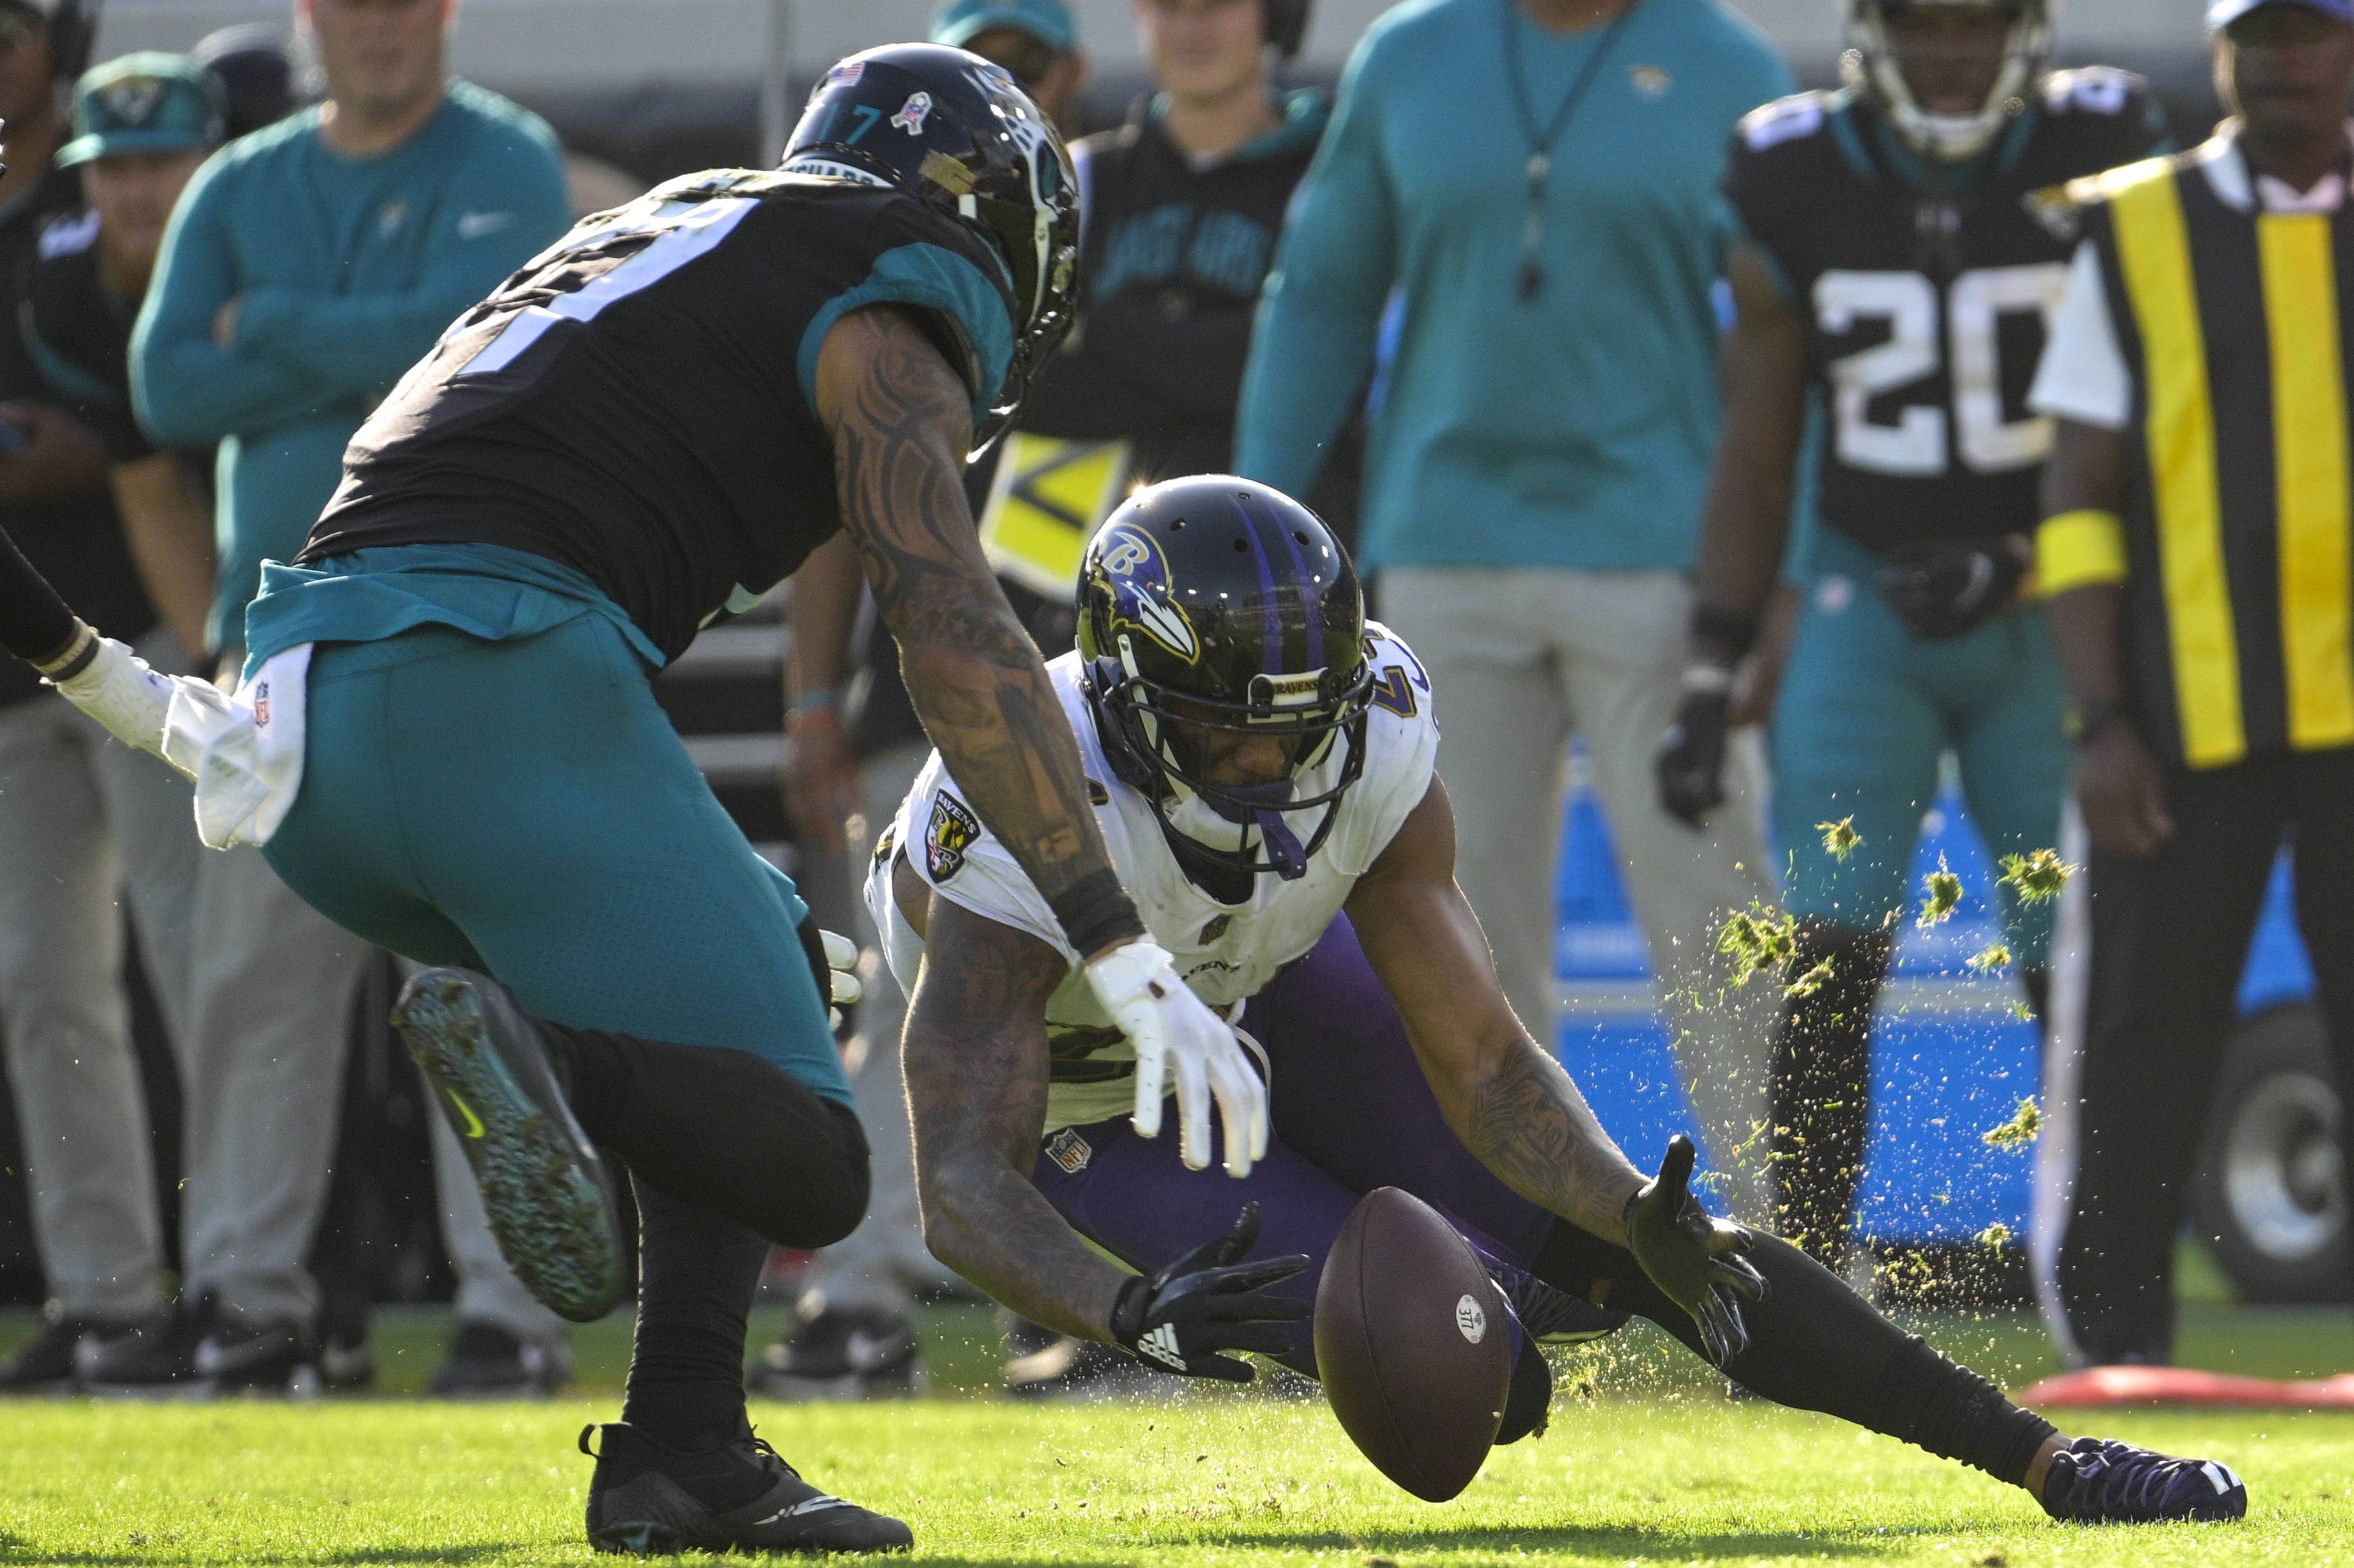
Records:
x=1134, y=574
x=132, y=100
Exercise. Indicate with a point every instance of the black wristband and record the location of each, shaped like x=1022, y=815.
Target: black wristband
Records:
x=1724, y=627
x=1128, y=1311
x=34, y=623
x=1095, y=912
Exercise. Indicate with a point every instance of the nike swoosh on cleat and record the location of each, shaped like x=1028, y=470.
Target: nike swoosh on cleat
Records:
x=473, y=1122
x=808, y=1504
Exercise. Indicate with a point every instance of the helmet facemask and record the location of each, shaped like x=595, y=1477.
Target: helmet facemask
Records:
x=1248, y=828
x=1872, y=63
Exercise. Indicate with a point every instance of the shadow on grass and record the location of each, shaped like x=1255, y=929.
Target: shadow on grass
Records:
x=1623, y=1545
x=16, y=1549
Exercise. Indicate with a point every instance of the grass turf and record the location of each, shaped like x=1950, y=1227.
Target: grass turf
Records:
x=1655, y=1468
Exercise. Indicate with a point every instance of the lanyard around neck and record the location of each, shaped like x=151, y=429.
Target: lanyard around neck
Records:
x=1532, y=281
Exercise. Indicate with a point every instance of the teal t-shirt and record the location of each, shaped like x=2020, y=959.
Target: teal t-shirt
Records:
x=1571, y=431
x=346, y=270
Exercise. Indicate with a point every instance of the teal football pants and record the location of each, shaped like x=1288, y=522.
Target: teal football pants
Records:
x=1865, y=713
x=524, y=809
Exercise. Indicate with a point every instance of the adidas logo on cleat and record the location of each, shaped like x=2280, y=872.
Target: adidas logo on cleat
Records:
x=1160, y=1344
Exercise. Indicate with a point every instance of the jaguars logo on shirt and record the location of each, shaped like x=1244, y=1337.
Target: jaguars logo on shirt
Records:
x=952, y=831
x=1132, y=570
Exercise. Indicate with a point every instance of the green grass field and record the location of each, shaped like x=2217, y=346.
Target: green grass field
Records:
x=1653, y=1465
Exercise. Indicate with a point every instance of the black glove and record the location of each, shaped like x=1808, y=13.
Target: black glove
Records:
x=1210, y=1301
x=1943, y=589
x=1694, y=1260
x=1691, y=759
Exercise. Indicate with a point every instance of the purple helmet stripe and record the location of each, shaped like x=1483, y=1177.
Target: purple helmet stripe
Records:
x=1271, y=635
x=1300, y=576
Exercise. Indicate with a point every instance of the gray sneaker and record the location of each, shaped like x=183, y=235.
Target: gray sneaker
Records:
x=548, y=1199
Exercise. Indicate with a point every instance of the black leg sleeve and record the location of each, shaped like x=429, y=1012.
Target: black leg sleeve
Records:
x=696, y=1273
x=1822, y=1088
x=719, y=1129
x=1814, y=1344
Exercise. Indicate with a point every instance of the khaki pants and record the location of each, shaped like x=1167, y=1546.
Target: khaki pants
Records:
x=1520, y=659
x=85, y=820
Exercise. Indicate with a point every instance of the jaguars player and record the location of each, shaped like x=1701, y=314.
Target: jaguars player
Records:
x=1262, y=763
x=1901, y=257
x=646, y=427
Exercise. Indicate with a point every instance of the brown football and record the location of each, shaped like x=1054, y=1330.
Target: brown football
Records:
x=1412, y=1344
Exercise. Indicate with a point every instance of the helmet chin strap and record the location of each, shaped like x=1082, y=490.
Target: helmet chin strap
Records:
x=1257, y=809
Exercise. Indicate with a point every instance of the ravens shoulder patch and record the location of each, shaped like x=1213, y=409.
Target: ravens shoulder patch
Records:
x=951, y=832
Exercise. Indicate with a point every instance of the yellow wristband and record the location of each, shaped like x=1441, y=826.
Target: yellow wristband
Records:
x=2080, y=549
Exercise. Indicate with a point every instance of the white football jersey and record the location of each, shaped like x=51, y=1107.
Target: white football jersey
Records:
x=1227, y=952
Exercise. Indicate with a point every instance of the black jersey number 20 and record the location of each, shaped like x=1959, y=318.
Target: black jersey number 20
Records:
x=1924, y=437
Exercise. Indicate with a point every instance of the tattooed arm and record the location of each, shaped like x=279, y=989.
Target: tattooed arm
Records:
x=901, y=422
x=977, y=1073
x=1507, y=1098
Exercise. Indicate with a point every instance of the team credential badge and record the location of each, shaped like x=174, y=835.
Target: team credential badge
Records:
x=1069, y=1150
x=952, y=833
x=910, y=117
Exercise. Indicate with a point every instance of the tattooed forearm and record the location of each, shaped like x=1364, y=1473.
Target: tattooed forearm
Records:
x=977, y=1074
x=1509, y=1102
x=900, y=420
x=1528, y=1125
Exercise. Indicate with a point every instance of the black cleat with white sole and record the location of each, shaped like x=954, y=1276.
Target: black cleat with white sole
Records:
x=650, y=1499
x=545, y=1191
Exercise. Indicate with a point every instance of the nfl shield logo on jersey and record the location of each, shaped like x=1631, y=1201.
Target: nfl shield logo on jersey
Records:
x=1069, y=1150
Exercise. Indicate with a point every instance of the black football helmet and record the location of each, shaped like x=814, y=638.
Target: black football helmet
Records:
x=949, y=128
x=1218, y=603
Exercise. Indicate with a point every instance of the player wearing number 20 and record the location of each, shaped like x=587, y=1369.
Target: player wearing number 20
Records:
x=1896, y=257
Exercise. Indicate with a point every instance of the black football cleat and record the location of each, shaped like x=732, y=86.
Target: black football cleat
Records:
x=650, y=1499
x=545, y=1191
x=2096, y=1482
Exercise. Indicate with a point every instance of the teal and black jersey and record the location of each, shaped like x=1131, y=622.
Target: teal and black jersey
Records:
x=638, y=402
x=1928, y=290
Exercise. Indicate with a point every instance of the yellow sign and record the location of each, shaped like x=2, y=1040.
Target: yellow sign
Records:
x=1045, y=502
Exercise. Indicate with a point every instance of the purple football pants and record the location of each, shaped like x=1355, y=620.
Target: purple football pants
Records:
x=1351, y=1112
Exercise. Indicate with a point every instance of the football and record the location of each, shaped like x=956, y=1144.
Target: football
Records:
x=1413, y=1344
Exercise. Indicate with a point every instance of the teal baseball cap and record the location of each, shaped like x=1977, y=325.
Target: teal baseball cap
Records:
x=146, y=102
x=958, y=22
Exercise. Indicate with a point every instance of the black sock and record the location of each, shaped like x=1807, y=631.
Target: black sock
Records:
x=696, y=1273
x=1822, y=1088
x=1814, y=1344
x=720, y=1129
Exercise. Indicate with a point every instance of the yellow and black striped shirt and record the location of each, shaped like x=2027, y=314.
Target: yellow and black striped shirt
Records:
x=2239, y=534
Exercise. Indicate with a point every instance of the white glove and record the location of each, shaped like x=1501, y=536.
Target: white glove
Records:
x=841, y=958
x=1174, y=1031
x=118, y=690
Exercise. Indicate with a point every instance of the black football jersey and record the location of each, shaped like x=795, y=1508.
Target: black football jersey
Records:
x=1928, y=290
x=638, y=401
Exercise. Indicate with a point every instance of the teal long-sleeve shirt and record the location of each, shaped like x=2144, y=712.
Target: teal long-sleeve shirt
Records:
x=346, y=271
x=1572, y=430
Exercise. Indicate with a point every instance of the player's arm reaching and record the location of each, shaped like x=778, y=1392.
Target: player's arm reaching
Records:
x=1512, y=1103
x=1745, y=524
x=901, y=422
x=977, y=1067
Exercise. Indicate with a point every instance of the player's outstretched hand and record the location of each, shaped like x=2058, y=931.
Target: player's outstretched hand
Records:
x=1178, y=1037
x=1210, y=1301
x=1696, y=1260
x=1690, y=760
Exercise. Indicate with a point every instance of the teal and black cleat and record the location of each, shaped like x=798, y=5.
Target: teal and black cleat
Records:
x=648, y=1499
x=545, y=1191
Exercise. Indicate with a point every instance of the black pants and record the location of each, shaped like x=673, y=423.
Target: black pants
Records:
x=2170, y=937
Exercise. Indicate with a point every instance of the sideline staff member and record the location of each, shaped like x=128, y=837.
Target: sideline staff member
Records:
x=2200, y=548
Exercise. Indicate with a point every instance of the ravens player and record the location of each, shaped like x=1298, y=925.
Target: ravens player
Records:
x=446, y=743
x=1900, y=259
x=1263, y=765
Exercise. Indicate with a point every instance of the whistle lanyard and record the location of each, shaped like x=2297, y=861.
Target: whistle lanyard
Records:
x=1532, y=278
